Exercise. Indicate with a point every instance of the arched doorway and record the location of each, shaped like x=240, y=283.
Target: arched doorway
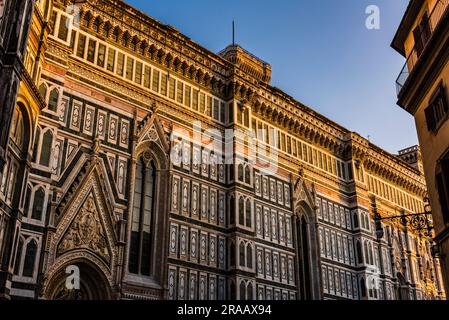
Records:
x=93, y=285
x=304, y=259
x=307, y=251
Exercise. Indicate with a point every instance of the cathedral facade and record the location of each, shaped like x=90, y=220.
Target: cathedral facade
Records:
x=161, y=170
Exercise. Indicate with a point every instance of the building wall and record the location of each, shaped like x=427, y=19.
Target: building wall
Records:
x=427, y=7
x=434, y=146
x=416, y=97
x=222, y=226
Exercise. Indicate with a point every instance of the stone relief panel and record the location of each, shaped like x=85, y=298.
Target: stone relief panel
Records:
x=86, y=232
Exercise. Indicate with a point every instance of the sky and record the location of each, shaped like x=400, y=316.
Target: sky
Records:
x=320, y=51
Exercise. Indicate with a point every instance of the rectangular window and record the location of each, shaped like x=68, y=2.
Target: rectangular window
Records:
x=72, y=40
x=187, y=96
x=129, y=68
x=147, y=77
x=138, y=77
x=270, y=134
x=53, y=22
x=164, y=80
x=120, y=63
x=231, y=113
x=422, y=34
x=239, y=113
x=436, y=113
x=81, y=46
x=91, y=50
x=195, y=100
x=254, y=127
x=155, y=85
x=101, y=55
x=216, y=109
x=172, y=89
x=247, y=117
x=111, y=59
x=63, y=28
x=209, y=106
x=202, y=103
x=180, y=92
x=222, y=112
x=339, y=169
x=310, y=155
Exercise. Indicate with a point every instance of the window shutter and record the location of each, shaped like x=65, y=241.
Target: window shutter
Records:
x=430, y=118
x=418, y=41
x=444, y=99
x=425, y=29
x=442, y=193
x=445, y=171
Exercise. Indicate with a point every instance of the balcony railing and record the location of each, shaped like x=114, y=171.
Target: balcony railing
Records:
x=434, y=19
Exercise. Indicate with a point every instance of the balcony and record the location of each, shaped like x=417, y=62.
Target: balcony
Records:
x=427, y=28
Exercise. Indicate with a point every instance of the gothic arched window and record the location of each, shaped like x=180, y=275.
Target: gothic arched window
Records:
x=38, y=204
x=371, y=255
x=359, y=252
x=30, y=259
x=18, y=257
x=106, y=29
x=36, y=143
x=125, y=39
x=142, y=48
x=53, y=100
x=47, y=141
x=240, y=172
x=134, y=43
x=231, y=210
x=242, y=254
x=231, y=172
x=116, y=34
x=356, y=220
x=86, y=19
x=43, y=90
x=232, y=254
x=242, y=290
x=247, y=174
x=366, y=252
x=249, y=291
x=17, y=128
x=96, y=25
x=249, y=256
x=142, y=219
x=248, y=213
x=363, y=287
x=26, y=206
x=241, y=211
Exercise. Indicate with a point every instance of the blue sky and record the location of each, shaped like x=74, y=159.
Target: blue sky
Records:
x=320, y=51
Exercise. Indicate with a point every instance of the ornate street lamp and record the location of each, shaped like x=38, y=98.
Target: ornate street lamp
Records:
x=420, y=222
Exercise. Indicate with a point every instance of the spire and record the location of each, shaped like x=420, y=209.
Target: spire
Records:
x=233, y=33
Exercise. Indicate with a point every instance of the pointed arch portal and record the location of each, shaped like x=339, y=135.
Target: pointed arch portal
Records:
x=306, y=243
x=93, y=284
